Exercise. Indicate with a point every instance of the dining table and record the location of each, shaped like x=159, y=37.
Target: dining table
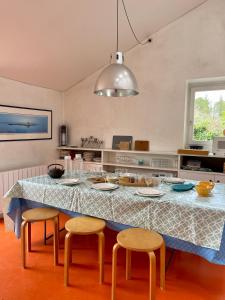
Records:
x=187, y=221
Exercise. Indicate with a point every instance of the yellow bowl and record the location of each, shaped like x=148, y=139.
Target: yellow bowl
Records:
x=203, y=190
x=212, y=184
x=208, y=184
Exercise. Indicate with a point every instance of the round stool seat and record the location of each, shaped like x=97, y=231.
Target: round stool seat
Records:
x=84, y=225
x=40, y=214
x=138, y=239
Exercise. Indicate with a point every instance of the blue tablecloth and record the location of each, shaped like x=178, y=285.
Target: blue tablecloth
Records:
x=17, y=206
x=184, y=216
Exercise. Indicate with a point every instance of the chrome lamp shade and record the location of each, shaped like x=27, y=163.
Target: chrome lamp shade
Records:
x=116, y=80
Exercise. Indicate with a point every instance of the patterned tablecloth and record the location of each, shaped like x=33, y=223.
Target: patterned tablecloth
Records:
x=184, y=215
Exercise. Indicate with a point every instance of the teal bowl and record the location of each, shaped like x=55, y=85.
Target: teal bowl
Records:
x=182, y=187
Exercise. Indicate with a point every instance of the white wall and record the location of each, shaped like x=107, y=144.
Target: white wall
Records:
x=29, y=153
x=191, y=47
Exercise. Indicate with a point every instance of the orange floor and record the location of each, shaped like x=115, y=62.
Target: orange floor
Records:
x=189, y=277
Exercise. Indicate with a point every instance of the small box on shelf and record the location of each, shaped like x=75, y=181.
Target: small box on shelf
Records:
x=193, y=152
x=120, y=141
x=141, y=145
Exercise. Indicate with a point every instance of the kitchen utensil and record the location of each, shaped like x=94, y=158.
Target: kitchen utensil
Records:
x=69, y=181
x=173, y=180
x=149, y=192
x=55, y=170
x=203, y=190
x=182, y=187
x=104, y=186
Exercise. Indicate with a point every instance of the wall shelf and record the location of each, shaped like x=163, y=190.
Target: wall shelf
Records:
x=120, y=151
x=79, y=149
x=170, y=162
x=61, y=160
x=112, y=159
x=140, y=167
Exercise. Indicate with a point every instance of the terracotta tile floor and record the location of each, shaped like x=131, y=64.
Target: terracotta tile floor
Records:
x=189, y=277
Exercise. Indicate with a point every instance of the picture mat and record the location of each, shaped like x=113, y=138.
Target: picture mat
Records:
x=26, y=113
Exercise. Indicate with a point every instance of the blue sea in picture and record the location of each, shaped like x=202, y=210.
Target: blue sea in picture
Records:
x=18, y=123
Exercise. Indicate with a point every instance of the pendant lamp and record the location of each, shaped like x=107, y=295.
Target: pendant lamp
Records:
x=116, y=80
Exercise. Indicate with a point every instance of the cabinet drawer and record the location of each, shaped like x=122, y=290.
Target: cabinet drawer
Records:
x=220, y=178
x=196, y=176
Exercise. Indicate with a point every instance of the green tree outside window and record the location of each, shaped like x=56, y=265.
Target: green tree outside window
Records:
x=209, y=115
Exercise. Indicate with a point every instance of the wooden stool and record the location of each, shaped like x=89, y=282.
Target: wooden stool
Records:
x=84, y=226
x=140, y=240
x=37, y=215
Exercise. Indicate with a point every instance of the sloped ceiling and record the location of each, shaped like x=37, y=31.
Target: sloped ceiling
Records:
x=57, y=43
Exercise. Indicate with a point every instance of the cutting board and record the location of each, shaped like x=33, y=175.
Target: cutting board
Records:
x=193, y=152
x=141, y=145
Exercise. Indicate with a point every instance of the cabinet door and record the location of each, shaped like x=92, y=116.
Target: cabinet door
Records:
x=220, y=178
x=194, y=175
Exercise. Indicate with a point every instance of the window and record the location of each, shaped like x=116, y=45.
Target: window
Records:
x=206, y=113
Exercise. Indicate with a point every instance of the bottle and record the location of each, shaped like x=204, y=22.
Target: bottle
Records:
x=63, y=135
x=78, y=164
x=68, y=164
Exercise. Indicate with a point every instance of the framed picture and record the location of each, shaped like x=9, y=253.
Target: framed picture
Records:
x=23, y=123
x=122, y=142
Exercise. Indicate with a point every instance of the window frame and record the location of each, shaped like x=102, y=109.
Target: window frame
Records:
x=194, y=86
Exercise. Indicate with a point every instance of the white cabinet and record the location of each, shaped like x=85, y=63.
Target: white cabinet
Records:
x=204, y=162
x=140, y=160
x=201, y=176
x=194, y=175
x=220, y=178
x=150, y=162
x=132, y=161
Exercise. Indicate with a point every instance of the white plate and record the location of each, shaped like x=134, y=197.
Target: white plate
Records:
x=127, y=175
x=104, y=186
x=149, y=192
x=174, y=180
x=69, y=181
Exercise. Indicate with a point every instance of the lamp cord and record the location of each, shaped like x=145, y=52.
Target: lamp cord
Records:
x=131, y=28
x=117, y=25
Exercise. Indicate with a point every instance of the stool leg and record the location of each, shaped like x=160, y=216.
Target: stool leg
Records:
x=128, y=264
x=67, y=257
x=162, y=266
x=45, y=229
x=152, y=275
x=56, y=240
x=101, y=248
x=114, y=270
x=71, y=251
x=23, y=243
x=29, y=237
